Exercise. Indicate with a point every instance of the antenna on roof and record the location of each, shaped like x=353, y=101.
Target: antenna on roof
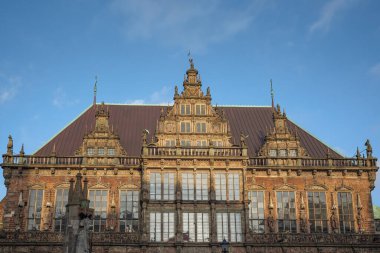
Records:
x=95, y=88
x=272, y=93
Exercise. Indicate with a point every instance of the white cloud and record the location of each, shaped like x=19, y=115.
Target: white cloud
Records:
x=161, y=97
x=60, y=99
x=328, y=13
x=188, y=24
x=9, y=86
x=375, y=70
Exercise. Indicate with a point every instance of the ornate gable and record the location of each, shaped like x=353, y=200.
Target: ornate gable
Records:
x=280, y=142
x=101, y=146
x=192, y=120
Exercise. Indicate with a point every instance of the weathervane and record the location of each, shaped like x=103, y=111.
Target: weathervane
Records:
x=190, y=59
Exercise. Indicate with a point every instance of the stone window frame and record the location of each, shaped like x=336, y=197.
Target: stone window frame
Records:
x=103, y=219
x=229, y=218
x=185, y=109
x=293, y=226
x=324, y=222
x=227, y=186
x=127, y=189
x=60, y=221
x=201, y=127
x=201, y=231
x=185, y=126
x=352, y=215
x=39, y=218
x=258, y=219
x=171, y=195
x=197, y=188
x=166, y=229
x=199, y=112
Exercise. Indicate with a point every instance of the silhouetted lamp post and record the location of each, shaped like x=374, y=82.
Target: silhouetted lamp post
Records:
x=224, y=246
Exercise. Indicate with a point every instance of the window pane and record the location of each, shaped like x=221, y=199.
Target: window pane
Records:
x=286, y=212
x=345, y=209
x=98, y=201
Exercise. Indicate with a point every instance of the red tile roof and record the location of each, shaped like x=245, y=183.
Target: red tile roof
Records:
x=129, y=121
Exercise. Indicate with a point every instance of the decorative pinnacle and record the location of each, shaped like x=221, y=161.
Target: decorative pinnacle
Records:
x=272, y=93
x=22, y=150
x=190, y=60
x=95, y=89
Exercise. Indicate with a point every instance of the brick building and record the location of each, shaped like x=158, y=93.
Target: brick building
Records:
x=185, y=177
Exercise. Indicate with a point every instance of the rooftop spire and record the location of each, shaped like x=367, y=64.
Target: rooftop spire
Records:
x=95, y=88
x=10, y=145
x=272, y=93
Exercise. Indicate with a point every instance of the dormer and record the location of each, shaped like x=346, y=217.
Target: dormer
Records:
x=280, y=142
x=101, y=146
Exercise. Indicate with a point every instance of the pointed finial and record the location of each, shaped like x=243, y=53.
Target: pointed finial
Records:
x=272, y=93
x=176, y=91
x=278, y=109
x=95, y=89
x=283, y=112
x=328, y=153
x=208, y=93
x=53, y=152
x=357, y=153
x=22, y=150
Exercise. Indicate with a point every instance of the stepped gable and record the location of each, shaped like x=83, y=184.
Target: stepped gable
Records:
x=128, y=121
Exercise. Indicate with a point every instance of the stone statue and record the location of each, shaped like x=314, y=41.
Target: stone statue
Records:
x=271, y=223
x=333, y=222
x=369, y=148
x=243, y=137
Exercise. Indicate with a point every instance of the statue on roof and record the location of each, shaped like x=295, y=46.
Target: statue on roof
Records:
x=243, y=138
x=369, y=148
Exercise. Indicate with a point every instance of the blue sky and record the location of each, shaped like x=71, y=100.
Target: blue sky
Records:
x=323, y=57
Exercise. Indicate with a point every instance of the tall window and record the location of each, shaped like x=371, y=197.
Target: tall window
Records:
x=98, y=201
x=185, y=109
x=35, y=208
x=196, y=227
x=162, y=186
x=161, y=227
x=317, y=212
x=229, y=227
x=129, y=211
x=233, y=186
x=185, y=127
x=256, y=211
x=221, y=186
x=111, y=151
x=194, y=189
x=286, y=212
x=61, y=199
x=346, y=217
x=200, y=109
x=201, y=127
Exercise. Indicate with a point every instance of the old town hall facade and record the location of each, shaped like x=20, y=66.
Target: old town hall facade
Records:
x=191, y=177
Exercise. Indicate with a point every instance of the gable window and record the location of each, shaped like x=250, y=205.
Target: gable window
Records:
x=346, y=217
x=61, y=199
x=293, y=152
x=35, y=208
x=201, y=127
x=283, y=152
x=129, y=211
x=195, y=227
x=200, y=109
x=185, y=127
x=111, y=151
x=317, y=212
x=161, y=226
x=170, y=143
x=100, y=151
x=90, y=151
x=273, y=153
x=217, y=143
x=162, y=186
x=185, y=143
x=256, y=211
x=286, y=212
x=98, y=201
x=202, y=143
x=185, y=110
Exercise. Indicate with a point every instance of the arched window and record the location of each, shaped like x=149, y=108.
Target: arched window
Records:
x=35, y=208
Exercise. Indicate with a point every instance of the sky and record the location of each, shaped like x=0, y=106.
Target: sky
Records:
x=323, y=58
